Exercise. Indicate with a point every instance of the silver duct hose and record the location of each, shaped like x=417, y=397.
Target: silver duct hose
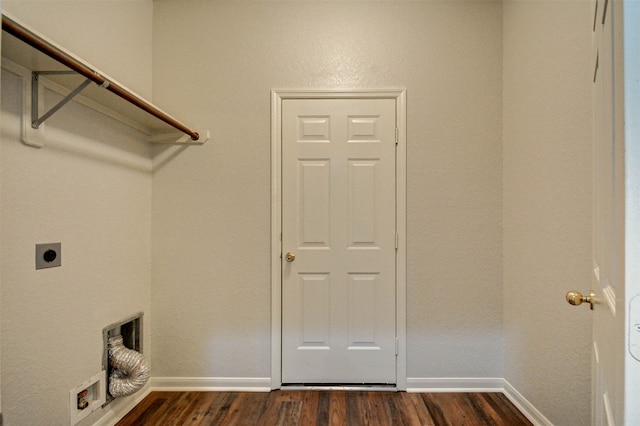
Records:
x=131, y=370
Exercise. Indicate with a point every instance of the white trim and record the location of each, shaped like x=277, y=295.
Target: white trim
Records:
x=276, y=239
x=338, y=93
x=346, y=388
x=263, y=384
x=220, y=384
x=479, y=384
x=46, y=83
x=28, y=135
x=36, y=137
x=525, y=407
x=401, y=229
x=277, y=96
x=184, y=384
x=455, y=384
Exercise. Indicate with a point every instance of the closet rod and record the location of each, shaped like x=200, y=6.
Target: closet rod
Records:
x=57, y=54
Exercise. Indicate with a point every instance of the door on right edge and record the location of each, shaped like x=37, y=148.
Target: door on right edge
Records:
x=608, y=359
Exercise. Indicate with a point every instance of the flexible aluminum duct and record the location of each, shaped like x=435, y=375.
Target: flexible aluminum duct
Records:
x=131, y=370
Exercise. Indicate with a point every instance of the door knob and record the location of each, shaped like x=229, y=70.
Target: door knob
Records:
x=290, y=257
x=576, y=298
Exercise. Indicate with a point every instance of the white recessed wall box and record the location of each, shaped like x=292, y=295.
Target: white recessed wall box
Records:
x=87, y=397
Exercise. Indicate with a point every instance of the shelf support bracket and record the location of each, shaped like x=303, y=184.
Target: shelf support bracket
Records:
x=37, y=121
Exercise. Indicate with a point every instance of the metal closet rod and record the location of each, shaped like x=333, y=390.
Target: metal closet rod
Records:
x=55, y=53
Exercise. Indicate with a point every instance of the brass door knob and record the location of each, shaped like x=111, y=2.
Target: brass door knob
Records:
x=576, y=298
x=290, y=257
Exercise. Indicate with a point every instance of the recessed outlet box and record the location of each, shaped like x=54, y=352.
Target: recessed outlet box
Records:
x=87, y=397
x=48, y=255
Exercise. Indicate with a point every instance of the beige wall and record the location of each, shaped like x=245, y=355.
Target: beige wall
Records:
x=203, y=266
x=547, y=204
x=217, y=63
x=114, y=36
x=89, y=188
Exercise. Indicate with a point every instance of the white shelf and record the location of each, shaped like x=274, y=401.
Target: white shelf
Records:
x=19, y=52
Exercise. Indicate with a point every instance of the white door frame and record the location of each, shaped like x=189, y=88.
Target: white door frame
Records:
x=277, y=96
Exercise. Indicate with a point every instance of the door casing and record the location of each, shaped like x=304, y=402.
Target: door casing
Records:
x=277, y=96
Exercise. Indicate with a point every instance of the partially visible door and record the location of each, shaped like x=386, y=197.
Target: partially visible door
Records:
x=609, y=222
x=338, y=241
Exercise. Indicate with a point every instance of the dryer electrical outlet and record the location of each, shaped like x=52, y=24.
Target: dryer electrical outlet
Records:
x=48, y=255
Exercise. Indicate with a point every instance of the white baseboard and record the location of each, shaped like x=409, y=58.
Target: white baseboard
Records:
x=115, y=412
x=525, y=406
x=455, y=384
x=472, y=384
x=220, y=384
x=263, y=384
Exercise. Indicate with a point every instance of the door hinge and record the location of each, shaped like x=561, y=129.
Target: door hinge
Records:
x=397, y=346
x=397, y=241
x=396, y=136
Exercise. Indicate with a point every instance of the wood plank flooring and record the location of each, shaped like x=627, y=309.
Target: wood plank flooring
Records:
x=324, y=408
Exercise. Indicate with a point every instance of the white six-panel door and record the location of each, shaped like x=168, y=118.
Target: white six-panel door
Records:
x=339, y=224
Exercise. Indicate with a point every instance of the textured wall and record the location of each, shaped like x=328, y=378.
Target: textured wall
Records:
x=114, y=36
x=89, y=188
x=547, y=204
x=217, y=63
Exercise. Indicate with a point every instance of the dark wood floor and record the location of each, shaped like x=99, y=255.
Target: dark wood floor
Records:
x=324, y=408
